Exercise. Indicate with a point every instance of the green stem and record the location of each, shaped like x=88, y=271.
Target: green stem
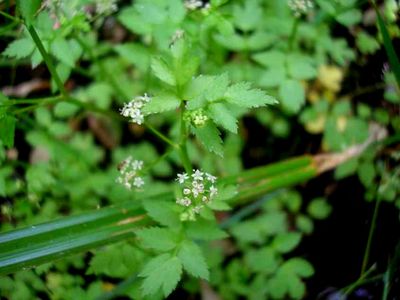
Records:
x=293, y=34
x=182, y=144
x=370, y=237
x=10, y=17
x=47, y=60
x=161, y=136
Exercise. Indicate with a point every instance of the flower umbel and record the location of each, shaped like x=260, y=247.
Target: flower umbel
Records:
x=129, y=170
x=300, y=7
x=133, y=109
x=197, y=190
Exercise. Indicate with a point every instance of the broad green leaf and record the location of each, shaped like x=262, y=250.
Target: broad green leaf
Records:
x=223, y=117
x=319, y=209
x=247, y=17
x=7, y=129
x=292, y=95
x=162, y=212
x=243, y=95
x=272, y=77
x=262, y=260
x=61, y=49
x=366, y=43
x=162, y=71
x=296, y=287
x=209, y=136
x=161, y=239
x=19, y=48
x=136, y=54
x=304, y=224
x=301, y=67
x=161, y=103
x=366, y=172
x=286, y=242
x=193, y=260
x=205, y=230
x=298, y=266
x=346, y=169
x=119, y=260
x=349, y=17
x=162, y=272
x=270, y=59
x=28, y=9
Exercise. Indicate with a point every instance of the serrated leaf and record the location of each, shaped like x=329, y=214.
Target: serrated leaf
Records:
x=223, y=117
x=205, y=230
x=292, y=95
x=7, y=130
x=243, y=95
x=162, y=272
x=162, y=71
x=61, y=49
x=193, y=260
x=28, y=9
x=209, y=136
x=162, y=212
x=161, y=239
x=161, y=103
x=286, y=242
x=20, y=48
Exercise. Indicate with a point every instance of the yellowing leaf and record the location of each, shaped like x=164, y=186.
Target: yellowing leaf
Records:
x=330, y=77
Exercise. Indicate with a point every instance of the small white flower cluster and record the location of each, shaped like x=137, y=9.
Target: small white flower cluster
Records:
x=133, y=109
x=106, y=6
x=198, y=190
x=196, y=4
x=300, y=7
x=129, y=171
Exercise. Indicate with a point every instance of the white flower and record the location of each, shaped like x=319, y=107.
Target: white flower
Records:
x=138, y=182
x=133, y=109
x=300, y=7
x=184, y=201
x=204, y=199
x=137, y=164
x=213, y=191
x=197, y=175
x=182, y=177
x=193, y=4
x=197, y=209
x=211, y=178
x=128, y=170
x=186, y=191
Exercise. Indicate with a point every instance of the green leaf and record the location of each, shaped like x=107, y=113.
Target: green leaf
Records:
x=223, y=117
x=346, y=169
x=304, y=224
x=162, y=71
x=349, y=17
x=298, y=266
x=296, y=287
x=286, y=242
x=161, y=103
x=366, y=43
x=162, y=272
x=263, y=260
x=292, y=95
x=209, y=136
x=205, y=230
x=136, y=54
x=366, y=173
x=193, y=260
x=20, y=48
x=7, y=130
x=301, y=67
x=243, y=95
x=28, y=9
x=61, y=49
x=161, y=239
x=162, y=212
x=319, y=209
